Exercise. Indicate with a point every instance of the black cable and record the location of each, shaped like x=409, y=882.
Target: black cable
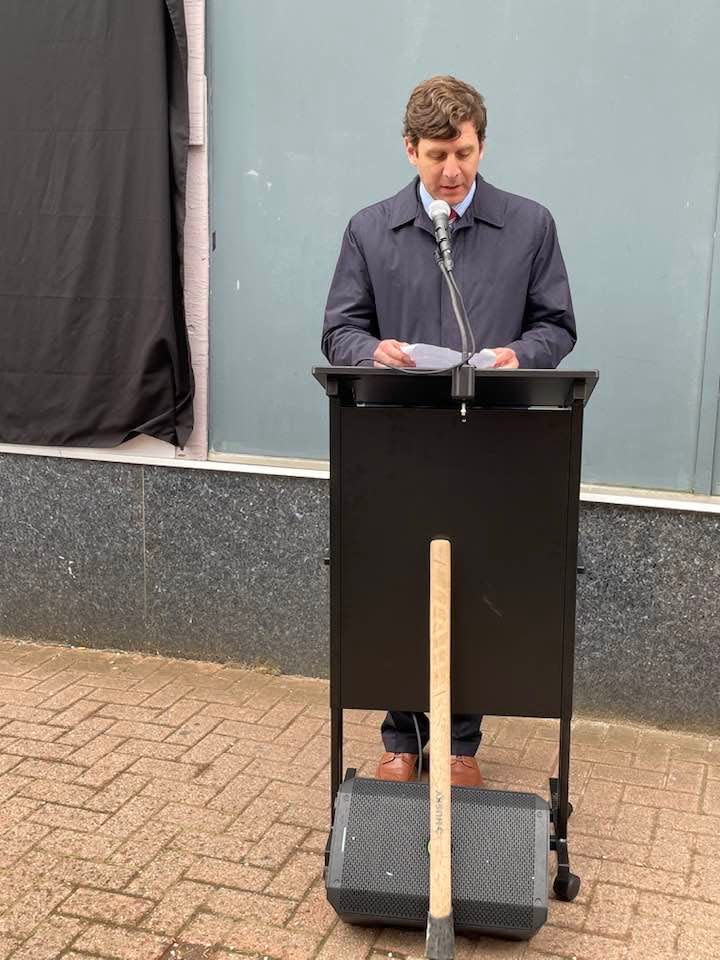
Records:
x=389, y=366
x=419, y=743
x=465, y=314
x=459, y=319
x=456, y=298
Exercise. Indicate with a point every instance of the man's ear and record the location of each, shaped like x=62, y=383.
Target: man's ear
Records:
x=482, y=151
x=410, y=151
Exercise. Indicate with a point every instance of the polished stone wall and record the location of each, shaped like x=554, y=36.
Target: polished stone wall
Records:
x=210, y=564
x=648, y=616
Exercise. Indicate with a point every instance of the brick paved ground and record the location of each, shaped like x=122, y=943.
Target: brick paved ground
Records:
x=154, y=809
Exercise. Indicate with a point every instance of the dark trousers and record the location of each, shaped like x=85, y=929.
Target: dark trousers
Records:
x=399, y=736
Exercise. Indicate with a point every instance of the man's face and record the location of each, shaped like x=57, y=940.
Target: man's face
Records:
x=447, y=168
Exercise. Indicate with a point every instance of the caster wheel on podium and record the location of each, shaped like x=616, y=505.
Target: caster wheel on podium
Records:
x=567, y=888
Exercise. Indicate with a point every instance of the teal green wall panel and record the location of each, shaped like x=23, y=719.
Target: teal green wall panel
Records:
x=707, y=464
x=609, y=113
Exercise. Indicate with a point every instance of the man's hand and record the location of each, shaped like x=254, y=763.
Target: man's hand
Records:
x=505, y=358
x=390, y=353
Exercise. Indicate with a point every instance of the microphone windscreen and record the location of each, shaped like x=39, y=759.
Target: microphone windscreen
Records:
x=439, y=207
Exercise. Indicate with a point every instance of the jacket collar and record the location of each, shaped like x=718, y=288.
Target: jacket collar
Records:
x=487, y=205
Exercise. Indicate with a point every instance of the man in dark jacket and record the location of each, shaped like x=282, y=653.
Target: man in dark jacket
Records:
x=387, y=292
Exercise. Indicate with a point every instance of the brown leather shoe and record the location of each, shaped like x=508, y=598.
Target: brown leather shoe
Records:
x=399, y=767
x=464, y=772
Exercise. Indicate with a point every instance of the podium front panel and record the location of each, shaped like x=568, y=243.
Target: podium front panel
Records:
x=497, y=487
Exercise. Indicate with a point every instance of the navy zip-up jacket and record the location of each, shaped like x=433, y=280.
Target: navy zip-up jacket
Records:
x=508, y=266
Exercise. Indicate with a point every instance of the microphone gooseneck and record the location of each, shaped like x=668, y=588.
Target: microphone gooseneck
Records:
x=463, y=376
x=440, y=215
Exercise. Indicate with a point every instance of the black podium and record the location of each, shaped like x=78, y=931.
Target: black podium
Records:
x=498, y=476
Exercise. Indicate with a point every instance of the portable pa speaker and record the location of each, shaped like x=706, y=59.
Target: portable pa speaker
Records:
x=377, y=870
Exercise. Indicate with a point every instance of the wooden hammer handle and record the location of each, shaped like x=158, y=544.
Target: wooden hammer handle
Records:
x=440, y=931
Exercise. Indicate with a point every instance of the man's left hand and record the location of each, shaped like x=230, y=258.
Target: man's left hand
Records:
x=505, y=358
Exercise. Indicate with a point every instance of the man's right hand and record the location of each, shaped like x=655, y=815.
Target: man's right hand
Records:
x=390, y=353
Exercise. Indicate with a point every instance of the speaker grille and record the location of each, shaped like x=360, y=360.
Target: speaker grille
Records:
x=385, y=857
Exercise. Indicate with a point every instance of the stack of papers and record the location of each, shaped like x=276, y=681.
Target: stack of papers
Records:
x=429, y=357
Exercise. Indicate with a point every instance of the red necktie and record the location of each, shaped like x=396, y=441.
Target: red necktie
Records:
x=453, y=216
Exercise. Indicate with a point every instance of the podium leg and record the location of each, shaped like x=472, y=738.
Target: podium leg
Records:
x=440, y=939
x=336, y=755
x=567, y=884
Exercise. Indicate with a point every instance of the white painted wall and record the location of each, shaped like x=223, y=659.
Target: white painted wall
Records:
x=197, y=254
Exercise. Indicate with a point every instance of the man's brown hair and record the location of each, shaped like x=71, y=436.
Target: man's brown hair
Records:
x=438, y=106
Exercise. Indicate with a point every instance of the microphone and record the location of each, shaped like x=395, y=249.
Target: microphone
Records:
x=463, y=375
x=440, y=215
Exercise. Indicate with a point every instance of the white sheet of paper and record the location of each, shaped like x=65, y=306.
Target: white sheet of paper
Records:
x=484, y=359
x=429, y=357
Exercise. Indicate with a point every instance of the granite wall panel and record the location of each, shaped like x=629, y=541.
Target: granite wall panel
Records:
x=648, y=616
x=235, y=567
x=228, y=566
x=71, y=551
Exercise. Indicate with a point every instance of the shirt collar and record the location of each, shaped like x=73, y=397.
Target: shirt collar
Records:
x=459, y=208
x=487, y=204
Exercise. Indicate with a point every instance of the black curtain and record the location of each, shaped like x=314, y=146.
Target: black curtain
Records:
x=93, y=154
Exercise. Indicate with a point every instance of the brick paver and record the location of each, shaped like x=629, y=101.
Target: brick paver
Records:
x=154, y=809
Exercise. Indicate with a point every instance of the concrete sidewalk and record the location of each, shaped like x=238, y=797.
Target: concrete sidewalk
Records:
x=153, y=809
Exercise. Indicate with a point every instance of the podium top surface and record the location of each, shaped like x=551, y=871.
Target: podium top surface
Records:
x=502, y=388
